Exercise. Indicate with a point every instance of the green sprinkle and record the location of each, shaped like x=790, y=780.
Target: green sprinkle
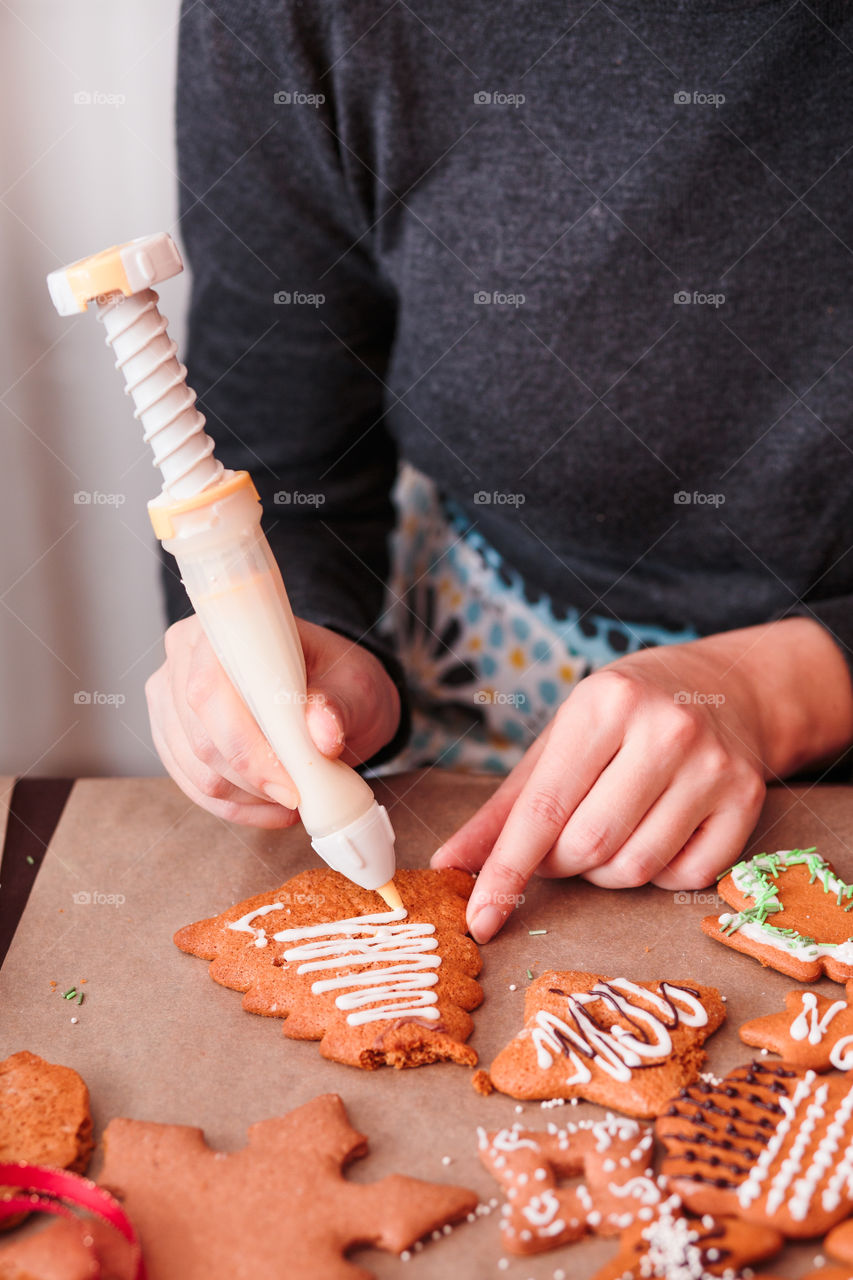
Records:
x=849, y=906
x=30, y=860
x=838, y=899
x=80, y=997
x=530, y=975
x=69, y=994
x=534, y=932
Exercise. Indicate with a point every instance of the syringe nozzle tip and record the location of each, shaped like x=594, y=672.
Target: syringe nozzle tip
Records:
x=390, y=895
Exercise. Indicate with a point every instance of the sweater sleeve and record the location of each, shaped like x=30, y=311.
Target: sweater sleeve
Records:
x=290, y=322
x=835, y=615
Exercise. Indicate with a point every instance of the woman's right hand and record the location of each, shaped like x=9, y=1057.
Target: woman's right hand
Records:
x=212, y=746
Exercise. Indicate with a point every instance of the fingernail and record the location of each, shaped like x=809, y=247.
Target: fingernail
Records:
x=286, y=796
x=328, y=729
x=437, y=854
x=334, y=726
x=486, y=923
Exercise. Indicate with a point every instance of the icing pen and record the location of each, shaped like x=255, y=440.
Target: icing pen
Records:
x=210, y=520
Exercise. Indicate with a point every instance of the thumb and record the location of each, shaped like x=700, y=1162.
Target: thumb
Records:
x=353, y=705
x=325, y=722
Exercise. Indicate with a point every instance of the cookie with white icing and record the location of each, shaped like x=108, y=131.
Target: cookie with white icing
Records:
x=676, y=1245
x=627, y=1045
x=814, y=1031
x=614, y=1158
x=791, y=912
x=373, y=986
x=769, y=1142
x=279, y=1208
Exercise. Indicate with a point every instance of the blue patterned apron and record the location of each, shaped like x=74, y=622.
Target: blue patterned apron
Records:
x=486, y=667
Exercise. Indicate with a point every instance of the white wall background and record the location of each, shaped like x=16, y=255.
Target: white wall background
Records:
x=80, y=607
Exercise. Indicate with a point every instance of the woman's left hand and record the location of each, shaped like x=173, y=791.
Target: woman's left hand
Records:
x=653, y=769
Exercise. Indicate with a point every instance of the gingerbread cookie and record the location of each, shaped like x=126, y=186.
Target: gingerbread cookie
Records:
x=677, y=1246
x=44, y=1113
x=838, y=1244
x=373, y=986
x=627, y=1045
x=791, y=912
x=613, y=1156
x=278, y=1208
x=769, y=1143
x=814, y=1031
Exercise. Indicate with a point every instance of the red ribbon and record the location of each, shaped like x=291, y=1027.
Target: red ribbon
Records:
x=46, y=1190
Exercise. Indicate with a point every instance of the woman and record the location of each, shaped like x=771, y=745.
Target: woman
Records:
x=588, y=278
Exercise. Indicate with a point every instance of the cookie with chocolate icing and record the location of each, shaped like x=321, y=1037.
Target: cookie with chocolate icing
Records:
x=791, y=912
x=814, y=1031
x=373, y=986
x=627, y=1045
x=614, y=1158
x=676, y=1243
x=279, y=1208
x=769, y=1142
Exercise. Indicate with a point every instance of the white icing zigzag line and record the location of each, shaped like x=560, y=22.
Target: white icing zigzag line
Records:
x=367, y=940
x=807, y=1025
x=837, y=1056
x=614, y=1050
x=797, y=1195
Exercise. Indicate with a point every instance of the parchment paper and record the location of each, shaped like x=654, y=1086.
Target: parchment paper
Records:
x=156, y=1039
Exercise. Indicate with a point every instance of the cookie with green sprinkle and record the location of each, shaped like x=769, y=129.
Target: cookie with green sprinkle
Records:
x=791, y=912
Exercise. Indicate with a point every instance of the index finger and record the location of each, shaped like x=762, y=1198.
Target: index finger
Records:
x=222, y=730
x=580, y=747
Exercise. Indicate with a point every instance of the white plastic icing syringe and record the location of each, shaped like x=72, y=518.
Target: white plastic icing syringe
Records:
x=210, y=520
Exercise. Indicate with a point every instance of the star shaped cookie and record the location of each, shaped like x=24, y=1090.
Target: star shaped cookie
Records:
x=814, y=1031
x=626, y=1045
x=278, y=1209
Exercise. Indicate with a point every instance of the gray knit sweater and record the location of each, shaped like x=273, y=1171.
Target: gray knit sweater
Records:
x=596, y=255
